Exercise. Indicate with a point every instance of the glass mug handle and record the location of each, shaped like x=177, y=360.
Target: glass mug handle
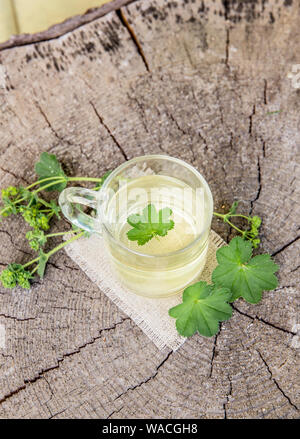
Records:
x=70, y=200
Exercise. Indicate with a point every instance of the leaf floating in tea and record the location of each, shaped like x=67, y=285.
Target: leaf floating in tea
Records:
x=149, y=224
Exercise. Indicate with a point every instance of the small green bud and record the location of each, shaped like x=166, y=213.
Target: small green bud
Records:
x=255, y=242
x=8, y=278
x=34, y=245
x=43, y=222
x=23, y=279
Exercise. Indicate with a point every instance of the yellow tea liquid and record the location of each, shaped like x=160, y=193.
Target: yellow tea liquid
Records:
x=167, y=264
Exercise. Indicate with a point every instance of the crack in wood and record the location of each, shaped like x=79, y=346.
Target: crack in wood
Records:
x=60, y=138
x=13, y=244
x=265, y=91
x=100, y=118
x=7, y=171
x=276, y=382
x=259, y=187
x=226, y=6
x=147, y=379
x=203, y=140
x=71, y=268
x=133, y=36
x=214, y=352
x=264, y=148
x=186, y=49
x=51, y=394
x=55, y=266
x=260, y=319
x=227, y=398
x=285, y=246
x=251, y=120
x=227, y=48
x=295, y=269
x=18, y=319
x=72, y=289
x=57, y=413
x=40, y=374
x=142, y=110
x=114, y=412
x=176, y=123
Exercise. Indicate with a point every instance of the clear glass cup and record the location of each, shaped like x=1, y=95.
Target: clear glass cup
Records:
x=165, y=265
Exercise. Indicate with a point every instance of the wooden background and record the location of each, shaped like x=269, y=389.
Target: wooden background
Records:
x=199, y=80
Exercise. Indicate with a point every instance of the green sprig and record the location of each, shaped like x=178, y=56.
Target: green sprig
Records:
x=38, y=213
x=254, y=223
x=15, y=274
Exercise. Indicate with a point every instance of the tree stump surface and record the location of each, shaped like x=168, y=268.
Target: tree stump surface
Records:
x=210, y=82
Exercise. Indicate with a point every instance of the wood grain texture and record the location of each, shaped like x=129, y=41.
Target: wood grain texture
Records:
x=197, y=80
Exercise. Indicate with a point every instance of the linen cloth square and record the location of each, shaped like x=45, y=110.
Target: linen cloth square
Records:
x=151, y=315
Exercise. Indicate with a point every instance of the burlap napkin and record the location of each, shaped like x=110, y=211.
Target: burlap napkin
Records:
x=151, y=315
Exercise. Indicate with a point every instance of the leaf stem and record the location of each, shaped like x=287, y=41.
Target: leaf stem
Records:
x=97, y=180
x=40, y=200
x=55, y=249
x=241, y=216
x=31, y=262
x=63, y=244
x=35, y=269
x=51, y=235
x=44, y=180
x=236, y=228
x=45, y=187
x=224, y=217
x=220, y=215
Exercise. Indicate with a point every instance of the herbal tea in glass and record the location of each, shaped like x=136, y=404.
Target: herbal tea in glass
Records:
x=154, y=213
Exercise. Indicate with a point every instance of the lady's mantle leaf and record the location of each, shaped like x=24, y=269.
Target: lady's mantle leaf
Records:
x=49, y=166
x=42, y=264
x=245, y=276
x=203, y=307
x=149, y=224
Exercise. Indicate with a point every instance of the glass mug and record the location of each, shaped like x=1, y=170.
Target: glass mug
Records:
x=165, y=265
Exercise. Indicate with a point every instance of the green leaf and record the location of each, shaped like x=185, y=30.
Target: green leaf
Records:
x=245, y=276
x=203, y=307
x=55, y=208
x=42, y=264
x=49, y=166
x=149, y=224
x=233, y=208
